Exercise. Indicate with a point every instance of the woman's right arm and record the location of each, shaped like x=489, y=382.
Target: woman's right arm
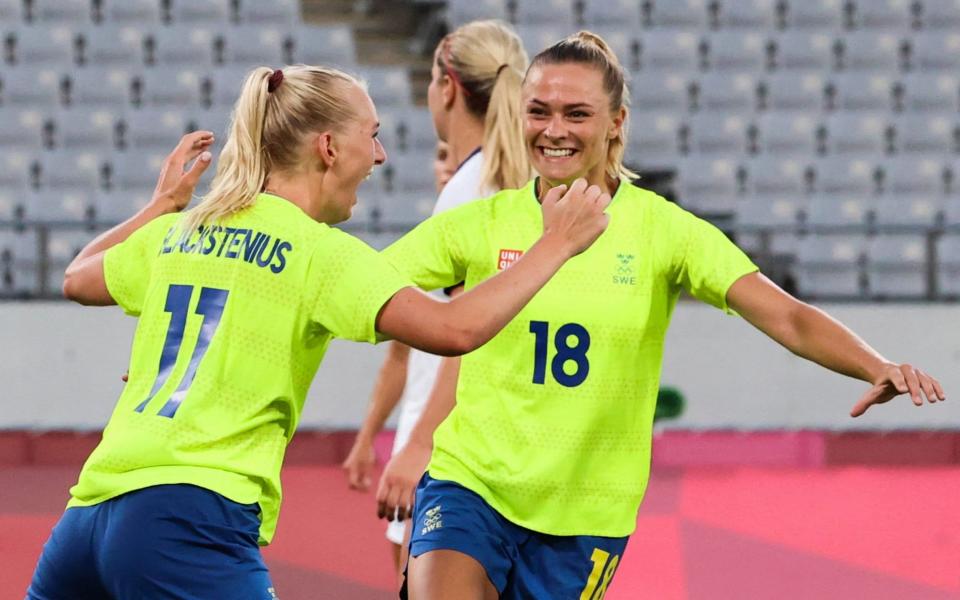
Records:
x=571, y=223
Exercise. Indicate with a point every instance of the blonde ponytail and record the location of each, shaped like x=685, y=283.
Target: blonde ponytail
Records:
x=488, y=59
x=586, y=47
x=267, y=126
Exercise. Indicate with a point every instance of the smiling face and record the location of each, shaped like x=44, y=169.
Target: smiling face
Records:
x=358, y=151
x=568, y=123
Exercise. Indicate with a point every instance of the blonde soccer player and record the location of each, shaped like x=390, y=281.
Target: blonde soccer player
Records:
x=474, y=98
x=537, y=474
x=237, y=301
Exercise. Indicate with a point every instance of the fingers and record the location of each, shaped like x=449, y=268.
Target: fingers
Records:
x=577, y=188
x=192, y=177
x=189, y=147
x=939, y=389
x=553, y=195
x=875, y=395
x=913, y=383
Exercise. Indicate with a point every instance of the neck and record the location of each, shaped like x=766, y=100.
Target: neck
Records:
x=596, y=176
x=299, y=189
x=465, y=136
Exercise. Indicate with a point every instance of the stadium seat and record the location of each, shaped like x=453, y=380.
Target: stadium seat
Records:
x=802, y=51
x=776, y=193
x=675, y=14
x=609, y=13
x=170, y=87
x=785, y=134
x=951, y=212
x=890, y=15
x=105, y=46
x=860, y=91
x=22, y=129
x=224, y=85
x=856, y=134
x=11, y=12
x=674, y=51
x=63, y=246
x=115, y=207
x=725, y=93
x=17, y=172
x=832, y=211
x=66, y=12
x=66, y=205
x=409, y=172
x=556, y=12
x=896, y=266
x=537, y=37
x=388, y=86
x=11, y=202
x=141, y=13
x=788, y=92
x=828, y=265
x=405, y=209
x=813, y=15
x=659, y=91
x=868, y=51
x=135, y=172
x=948, y=264
x=756, y=15
x=738, y=51
x=201, y=12
x=65, y=170
x=279, y=13
x=623, y=43
x=716, y=134
x=917, y=211
x=925, y=134
x=85, y=129
x=839, y=177
x=464, y=11
x=19, y=252
x=153, y=130
x=928, y=92
x=940, y=14
x=251, y=46
x=765, y=212
x=935, y=51
x=914, y=176
x=108, y=88
x=413, y=131
x=179, y=46
x=709, y=186
x=39, y=46
x=654, y=140
x=323, y=45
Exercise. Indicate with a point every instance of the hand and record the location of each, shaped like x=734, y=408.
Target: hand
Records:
x=175, y=187
x=896, y=380
x=359, y=464
x=398, y=483
x=575, y=215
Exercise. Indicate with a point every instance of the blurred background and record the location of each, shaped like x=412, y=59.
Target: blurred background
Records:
x=823, y=136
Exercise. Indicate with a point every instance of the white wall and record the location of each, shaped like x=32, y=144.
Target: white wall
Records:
x=60, y=367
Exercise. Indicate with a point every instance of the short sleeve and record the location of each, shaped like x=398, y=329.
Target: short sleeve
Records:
x=707, y=262
x=353, y=284
x=128, y=266
x=434, y=254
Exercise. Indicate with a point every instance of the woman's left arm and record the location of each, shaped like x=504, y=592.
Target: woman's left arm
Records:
x=811, y=333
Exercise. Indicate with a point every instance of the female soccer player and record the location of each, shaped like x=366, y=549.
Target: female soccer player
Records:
x=537, y=474
x=474, y=98
x=237, y=301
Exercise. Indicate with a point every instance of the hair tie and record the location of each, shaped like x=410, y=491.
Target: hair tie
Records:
x=276, y=78
x=500, y=68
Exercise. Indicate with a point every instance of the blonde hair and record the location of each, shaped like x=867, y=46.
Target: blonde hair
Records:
x=487, y=59
x=588, y=48
x=273, y=114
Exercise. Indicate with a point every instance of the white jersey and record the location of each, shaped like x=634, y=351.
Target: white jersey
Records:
x=464, y=186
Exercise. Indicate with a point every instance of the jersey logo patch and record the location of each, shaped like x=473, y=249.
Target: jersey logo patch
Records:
x=432, y=521
x=507, y=258
x=623, y=274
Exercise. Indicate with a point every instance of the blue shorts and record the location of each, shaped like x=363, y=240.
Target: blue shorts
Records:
x=520, y=563
x=165, y=541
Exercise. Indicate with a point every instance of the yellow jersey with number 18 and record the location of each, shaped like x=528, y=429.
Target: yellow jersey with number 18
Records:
x=234, y=320
x=553, y=421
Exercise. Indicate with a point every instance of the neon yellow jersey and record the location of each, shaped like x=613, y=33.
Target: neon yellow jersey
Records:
x=233, y=324
x=553, y=422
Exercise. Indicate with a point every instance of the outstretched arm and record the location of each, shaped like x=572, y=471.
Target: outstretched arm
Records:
x=811, y=333
x=386, y=394
x=83, y=281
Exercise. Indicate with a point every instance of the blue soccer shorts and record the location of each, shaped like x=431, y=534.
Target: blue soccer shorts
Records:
x=165, y=541
x=520, y=563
